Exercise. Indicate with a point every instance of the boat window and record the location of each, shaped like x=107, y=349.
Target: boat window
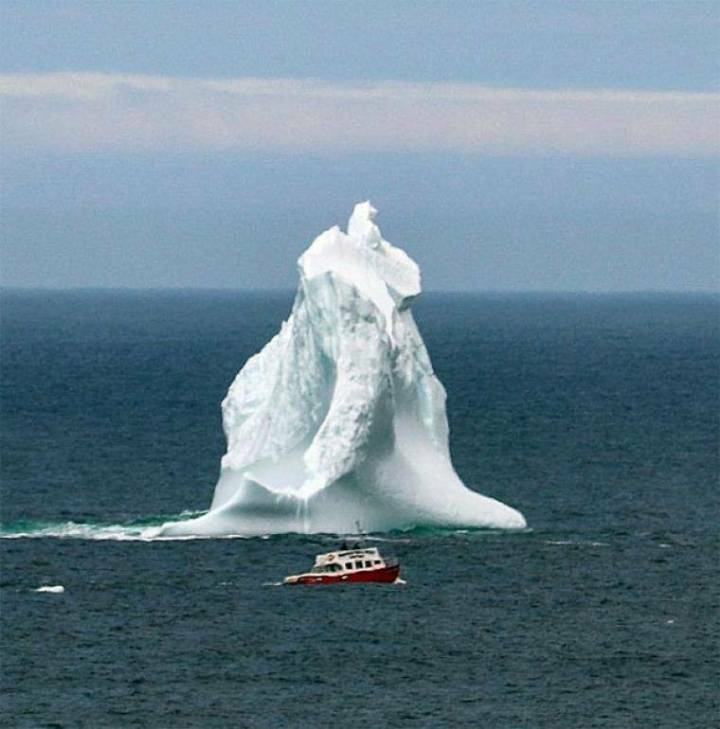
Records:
x=377, y=561
x=368, y=564
x=358, y=565
x=348, y=566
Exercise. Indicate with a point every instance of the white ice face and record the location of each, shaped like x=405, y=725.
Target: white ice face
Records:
x=340, y=418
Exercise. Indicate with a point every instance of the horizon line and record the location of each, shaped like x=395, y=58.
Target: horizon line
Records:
x=292, y=290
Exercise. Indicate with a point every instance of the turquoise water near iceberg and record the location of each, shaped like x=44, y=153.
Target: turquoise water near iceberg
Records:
x=596, y=416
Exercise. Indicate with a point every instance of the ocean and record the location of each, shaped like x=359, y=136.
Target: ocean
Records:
x=595, y=415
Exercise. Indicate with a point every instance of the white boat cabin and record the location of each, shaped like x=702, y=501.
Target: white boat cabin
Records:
x=350, y=560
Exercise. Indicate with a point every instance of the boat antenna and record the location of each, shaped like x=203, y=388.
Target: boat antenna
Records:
x=360, y=533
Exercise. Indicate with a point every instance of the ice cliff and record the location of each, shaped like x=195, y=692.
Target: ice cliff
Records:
x=340, y=418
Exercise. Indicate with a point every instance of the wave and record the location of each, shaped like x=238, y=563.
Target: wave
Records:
x=148, y=529
x=143, y=529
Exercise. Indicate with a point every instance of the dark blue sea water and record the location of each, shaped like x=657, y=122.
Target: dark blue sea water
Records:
x=596, y=416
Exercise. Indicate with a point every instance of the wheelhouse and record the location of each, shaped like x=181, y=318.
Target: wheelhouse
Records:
x=350, y=560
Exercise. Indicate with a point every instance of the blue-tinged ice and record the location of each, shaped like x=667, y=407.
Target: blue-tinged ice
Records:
x=340, y=419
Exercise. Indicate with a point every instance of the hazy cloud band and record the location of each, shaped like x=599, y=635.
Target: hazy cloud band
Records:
x=80, y=112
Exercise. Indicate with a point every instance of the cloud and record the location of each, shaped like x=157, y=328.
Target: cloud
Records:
x=82, y=112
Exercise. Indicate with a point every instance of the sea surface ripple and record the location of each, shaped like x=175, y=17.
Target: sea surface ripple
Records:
x=597, y=416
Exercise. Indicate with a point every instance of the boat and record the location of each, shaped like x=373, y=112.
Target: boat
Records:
x=359, y=564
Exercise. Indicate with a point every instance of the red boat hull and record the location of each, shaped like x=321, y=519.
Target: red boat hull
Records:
x=384, y=574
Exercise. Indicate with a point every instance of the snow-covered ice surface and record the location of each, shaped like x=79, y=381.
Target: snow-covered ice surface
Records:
x=340, y=420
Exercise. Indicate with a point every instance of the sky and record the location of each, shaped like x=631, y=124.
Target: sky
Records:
x=509, y=146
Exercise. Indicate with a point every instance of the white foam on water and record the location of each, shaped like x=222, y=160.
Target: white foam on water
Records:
x=57, y=589
x=102, y=532
x=73, y=530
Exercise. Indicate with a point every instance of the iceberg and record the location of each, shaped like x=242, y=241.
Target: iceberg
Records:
x=340, y=420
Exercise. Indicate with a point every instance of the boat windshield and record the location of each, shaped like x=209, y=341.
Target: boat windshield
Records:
x=327, y=568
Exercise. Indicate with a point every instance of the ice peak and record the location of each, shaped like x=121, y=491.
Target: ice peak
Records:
x=361, y=224
x=378, y=270
x=363, y=211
